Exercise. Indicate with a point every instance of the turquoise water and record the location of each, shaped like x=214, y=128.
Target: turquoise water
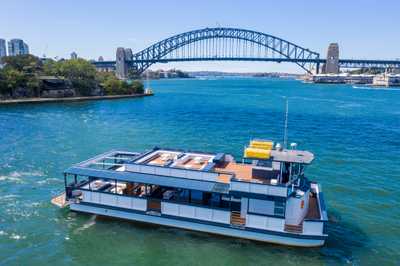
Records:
x=354, y=133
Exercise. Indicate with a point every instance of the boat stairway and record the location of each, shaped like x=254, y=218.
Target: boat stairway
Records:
x=297, y=229
x=236, y=220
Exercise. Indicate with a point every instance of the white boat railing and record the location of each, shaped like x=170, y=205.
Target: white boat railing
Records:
x=115, y=200
x=195, y=212
x=265, y=222
x=266, y=189
x=313, y=227
x=173, y=172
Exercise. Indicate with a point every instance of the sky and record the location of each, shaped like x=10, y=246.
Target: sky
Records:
x=364, y=29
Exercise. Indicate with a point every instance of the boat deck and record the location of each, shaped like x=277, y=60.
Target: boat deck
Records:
x=161, y=159
x=194, y=163
x=313, y=209
x=242, y=171
x=60, y=200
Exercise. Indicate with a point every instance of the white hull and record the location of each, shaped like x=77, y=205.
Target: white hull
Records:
x=220, y=230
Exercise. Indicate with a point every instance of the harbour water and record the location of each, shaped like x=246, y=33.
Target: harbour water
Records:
x=353, y=131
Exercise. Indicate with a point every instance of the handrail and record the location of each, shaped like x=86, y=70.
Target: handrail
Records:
x=169, y=169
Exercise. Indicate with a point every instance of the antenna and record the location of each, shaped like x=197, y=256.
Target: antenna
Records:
x=286, y=124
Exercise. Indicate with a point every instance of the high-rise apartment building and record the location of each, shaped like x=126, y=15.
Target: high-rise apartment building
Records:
x=17, y=47
x=3, y=51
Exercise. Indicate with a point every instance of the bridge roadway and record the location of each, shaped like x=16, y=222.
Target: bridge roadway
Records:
x=343, y=63
x=232, y=44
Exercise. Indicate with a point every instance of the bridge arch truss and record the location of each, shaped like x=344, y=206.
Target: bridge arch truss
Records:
x=217, y=44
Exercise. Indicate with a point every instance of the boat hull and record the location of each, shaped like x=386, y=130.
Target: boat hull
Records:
x=281, y=238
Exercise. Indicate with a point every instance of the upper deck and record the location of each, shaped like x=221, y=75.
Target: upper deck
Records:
x=200, y=170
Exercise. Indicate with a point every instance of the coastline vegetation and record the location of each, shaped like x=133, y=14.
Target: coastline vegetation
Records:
x=24, y=75
x=161, y=74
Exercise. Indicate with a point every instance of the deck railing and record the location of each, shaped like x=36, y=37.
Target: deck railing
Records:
x=195, y=212
x=313, y=227
x=173, y=172
x=116, y=200
x=265, y=189
x=265, y=222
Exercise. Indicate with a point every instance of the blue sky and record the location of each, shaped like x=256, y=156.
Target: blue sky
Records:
x=363, y=29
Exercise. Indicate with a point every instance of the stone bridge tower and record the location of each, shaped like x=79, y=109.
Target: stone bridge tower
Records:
x=121, y=65
x=332, y=60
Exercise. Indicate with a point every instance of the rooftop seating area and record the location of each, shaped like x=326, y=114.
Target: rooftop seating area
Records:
x=160, y=158
x=248, y=172
x=195, y=162
x=215, y=167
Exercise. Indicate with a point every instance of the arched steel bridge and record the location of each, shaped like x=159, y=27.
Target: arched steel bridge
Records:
x=223, y=44
x=227, y=44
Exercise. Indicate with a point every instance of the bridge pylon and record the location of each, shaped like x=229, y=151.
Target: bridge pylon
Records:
x=121, y=65
x=331, y=65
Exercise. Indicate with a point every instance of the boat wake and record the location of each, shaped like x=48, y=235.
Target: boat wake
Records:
x=17, y=177
x=375, y=88
x=88, y=224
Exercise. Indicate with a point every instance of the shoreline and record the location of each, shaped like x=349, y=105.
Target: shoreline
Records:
x=72, y=99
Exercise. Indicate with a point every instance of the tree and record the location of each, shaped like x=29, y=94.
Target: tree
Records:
x=24, y=63
x=23, y=73
x=3, y=83
x=137, y=86
x=80, y=72
x=112, y=86
x=14, y=79
x=50, y=67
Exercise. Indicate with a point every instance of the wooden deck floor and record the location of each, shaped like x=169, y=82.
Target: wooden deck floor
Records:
x=313, y=210
x=241, y=171
x=192, y=164
x=59, y=201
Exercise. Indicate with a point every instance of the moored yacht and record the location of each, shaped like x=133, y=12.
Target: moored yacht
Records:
x=265, y=196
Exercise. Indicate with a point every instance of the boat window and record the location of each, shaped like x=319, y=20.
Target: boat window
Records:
x=279, y=209
x=261, y=206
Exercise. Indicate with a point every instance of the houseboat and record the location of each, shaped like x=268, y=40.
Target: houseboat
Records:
x=264, y=197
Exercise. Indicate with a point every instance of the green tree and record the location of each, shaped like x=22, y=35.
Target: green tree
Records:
x=23, y=72
x=137, y=86
x=112, y=86
x=24, y=63
x=14, y=79
x=50, y=67
x=80, y=72
x=3, y=83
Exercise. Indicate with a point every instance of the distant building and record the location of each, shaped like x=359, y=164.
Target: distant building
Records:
x=332, y=60
x=26, y=48
x=17, y=47
x=3, y=51
x=74, y=55
x=101, y=59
